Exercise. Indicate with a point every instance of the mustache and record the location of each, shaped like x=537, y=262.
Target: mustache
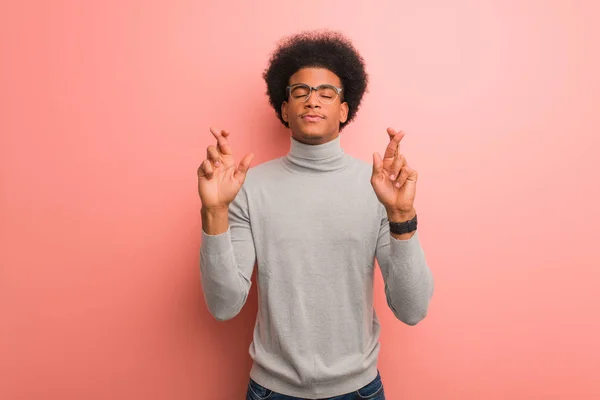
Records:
x=314, y=114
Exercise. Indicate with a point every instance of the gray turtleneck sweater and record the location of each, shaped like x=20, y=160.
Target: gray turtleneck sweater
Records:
x=312, y=224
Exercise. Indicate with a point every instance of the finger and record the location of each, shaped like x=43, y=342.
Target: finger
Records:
x=412, y=175
x=391, y=132
x=200, y=172
x=213, y=155
x=399, y=162
x=377, y=164
x=402, y=176
x=210, y=172
x=392, y=147
x=242, y=169
x=205, y=170
x=223, y=144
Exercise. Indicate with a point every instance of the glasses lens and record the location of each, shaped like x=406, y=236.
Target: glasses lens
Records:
x=327, y=94
x=300, y=92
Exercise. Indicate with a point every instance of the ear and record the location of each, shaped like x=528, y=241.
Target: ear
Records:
x=344, y=112
x=284, y=111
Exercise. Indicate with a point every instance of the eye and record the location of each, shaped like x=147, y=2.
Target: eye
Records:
x=299, y=91
x=327, y=92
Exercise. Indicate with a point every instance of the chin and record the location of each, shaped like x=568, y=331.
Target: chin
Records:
x=315, y=132
x=312, y=130
x=313, y=135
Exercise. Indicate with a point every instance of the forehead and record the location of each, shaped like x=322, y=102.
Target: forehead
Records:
x=315, y=77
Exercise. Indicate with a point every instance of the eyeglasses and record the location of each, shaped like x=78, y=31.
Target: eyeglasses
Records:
x=326, y=94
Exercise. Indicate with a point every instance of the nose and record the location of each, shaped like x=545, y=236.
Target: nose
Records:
x=313, y=100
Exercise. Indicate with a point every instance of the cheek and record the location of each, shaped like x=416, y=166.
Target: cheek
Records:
x=293, y=113
x=336, y=115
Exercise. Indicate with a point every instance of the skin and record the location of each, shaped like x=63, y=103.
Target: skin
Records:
x=220, y=177
x=292, y=111
x=395, y=183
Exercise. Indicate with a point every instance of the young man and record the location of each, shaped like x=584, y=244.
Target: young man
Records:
x=314, y=222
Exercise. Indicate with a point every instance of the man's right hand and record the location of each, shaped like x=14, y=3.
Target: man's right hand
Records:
x=219, y=178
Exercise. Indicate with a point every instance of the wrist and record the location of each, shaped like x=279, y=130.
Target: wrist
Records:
x=214, y=210
x=403, y=225
x=395, y=215
x=215, y=220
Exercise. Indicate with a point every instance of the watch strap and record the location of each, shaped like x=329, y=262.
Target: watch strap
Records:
x=400, y=228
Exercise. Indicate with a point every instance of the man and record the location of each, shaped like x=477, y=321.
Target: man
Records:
x=314, y=222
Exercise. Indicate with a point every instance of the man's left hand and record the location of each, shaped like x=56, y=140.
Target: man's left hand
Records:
x=394, y=182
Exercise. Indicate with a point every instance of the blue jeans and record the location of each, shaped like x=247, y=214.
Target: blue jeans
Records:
x=371, y=391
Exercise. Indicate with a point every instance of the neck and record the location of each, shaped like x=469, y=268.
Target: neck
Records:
x=318, y=157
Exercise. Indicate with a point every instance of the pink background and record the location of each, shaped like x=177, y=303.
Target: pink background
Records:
x=105, y=109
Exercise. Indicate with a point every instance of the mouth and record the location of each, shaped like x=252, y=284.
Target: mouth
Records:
x=312, y=117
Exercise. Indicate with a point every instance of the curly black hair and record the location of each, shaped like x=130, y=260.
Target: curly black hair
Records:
x=319, y=49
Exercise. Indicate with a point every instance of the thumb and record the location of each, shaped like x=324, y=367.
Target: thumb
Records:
x=377, y=164
x=242, y=169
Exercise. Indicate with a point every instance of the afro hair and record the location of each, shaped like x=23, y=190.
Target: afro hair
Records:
x=317, y=49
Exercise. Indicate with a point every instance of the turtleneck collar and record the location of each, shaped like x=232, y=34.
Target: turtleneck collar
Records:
x=320, y=157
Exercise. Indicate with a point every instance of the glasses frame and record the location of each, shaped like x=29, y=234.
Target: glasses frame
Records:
x=315, y=89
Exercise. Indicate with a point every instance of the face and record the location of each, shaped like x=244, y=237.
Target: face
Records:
x=313, y=121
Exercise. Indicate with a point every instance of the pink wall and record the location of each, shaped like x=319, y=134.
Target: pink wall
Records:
x=105, y=110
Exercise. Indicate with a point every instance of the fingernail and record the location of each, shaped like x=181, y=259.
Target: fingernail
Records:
x=397, y=184
x=217, y=163
x=392, y=177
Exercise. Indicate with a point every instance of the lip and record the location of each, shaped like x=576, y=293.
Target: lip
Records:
x=312, y=117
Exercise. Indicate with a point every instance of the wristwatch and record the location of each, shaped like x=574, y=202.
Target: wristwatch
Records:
x=400, y=228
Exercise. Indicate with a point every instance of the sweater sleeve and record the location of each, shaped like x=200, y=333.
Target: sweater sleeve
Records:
x=227, y=261
x=407, y=278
